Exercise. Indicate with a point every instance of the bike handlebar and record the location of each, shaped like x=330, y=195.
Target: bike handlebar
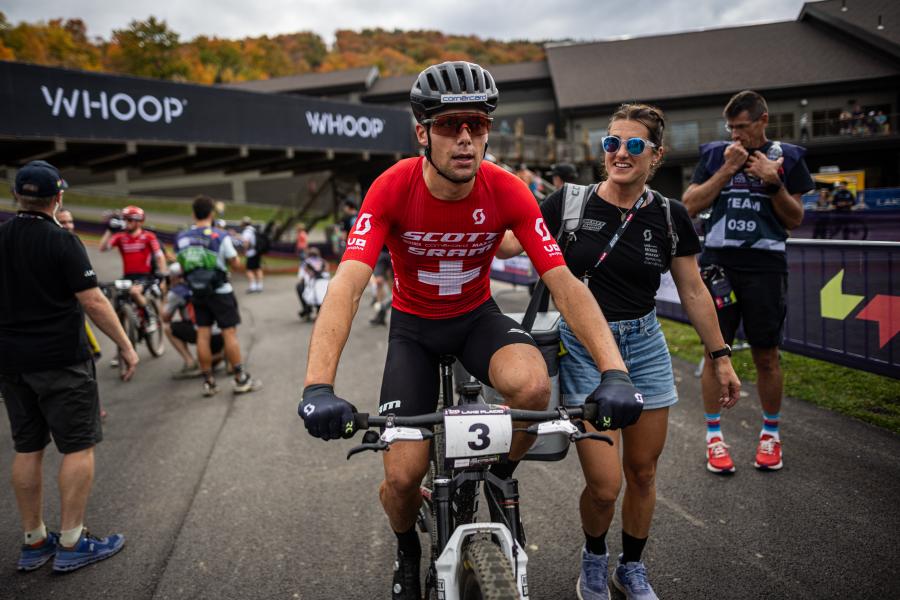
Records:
x=363, y=421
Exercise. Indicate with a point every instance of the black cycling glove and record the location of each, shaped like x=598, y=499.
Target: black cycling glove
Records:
x=619, y=403
x=325, y=415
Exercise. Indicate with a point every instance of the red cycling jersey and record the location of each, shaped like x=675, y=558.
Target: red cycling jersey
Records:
x=137, y=251
x=442, y=250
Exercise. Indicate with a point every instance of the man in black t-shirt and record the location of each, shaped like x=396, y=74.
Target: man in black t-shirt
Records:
x=754, y=187
x=47, y=374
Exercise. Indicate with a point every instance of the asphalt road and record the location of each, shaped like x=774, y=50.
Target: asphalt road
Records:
x=228, y=497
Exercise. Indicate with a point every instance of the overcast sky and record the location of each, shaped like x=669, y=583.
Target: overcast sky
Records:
x=535, y=20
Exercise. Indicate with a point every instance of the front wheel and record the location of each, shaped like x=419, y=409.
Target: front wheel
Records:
x=486, y=573
x=154, y=338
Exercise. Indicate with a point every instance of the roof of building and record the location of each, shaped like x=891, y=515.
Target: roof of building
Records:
x=712, y=62
x=314, y=83
x=860, y=18
x=503, y=74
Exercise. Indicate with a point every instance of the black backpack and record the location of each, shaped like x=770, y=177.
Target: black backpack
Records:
x=263, y=241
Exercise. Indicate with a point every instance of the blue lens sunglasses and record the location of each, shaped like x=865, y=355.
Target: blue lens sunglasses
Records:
x=634, y=146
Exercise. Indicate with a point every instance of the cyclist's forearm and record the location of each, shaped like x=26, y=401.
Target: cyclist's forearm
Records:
x=104, y=240
x=583, y=315
x=102, y=314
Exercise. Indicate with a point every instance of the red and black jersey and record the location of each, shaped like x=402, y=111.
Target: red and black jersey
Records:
x=137, y=250
x=442, y=250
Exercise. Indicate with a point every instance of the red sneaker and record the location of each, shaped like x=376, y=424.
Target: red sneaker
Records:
x=718, y=460
x=768, y=454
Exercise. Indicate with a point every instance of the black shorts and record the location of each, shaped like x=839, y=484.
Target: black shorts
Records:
x=221, y=309
x=63, y=403
x=383, y=264
x=761, y=306
x=142, y=279
x=254, y=262
x=411, y=380
x=187, y=333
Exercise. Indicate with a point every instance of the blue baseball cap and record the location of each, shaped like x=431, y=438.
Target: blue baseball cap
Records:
x=39, y=179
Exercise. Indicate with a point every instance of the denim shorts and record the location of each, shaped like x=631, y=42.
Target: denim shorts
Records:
x=643, y=347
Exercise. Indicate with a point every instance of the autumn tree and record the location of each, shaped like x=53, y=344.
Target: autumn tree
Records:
x=147, y=49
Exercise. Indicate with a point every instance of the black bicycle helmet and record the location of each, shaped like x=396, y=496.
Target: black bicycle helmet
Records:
x=452, y=83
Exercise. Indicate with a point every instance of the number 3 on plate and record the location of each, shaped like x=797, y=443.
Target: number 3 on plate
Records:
x=481, y=432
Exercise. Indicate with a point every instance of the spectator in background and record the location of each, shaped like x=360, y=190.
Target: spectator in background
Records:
x=823, y=214
x=845, y=121
x=47, y=376
x=804, y=126
x=312, y=284
x=842, y=199
x=348, y=220
x=183, y=332
x=204, y=253
x=858, y=117
x=254, y=257
x=561, y=173
x=754, y=186
x=301, y=246
x=881, y=122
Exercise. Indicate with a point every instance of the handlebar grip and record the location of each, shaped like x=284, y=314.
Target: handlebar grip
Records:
x=590, y=412
x=361, y=421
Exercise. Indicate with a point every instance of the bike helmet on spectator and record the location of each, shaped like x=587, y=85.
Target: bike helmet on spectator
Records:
x=452, y=84
x=133, y=213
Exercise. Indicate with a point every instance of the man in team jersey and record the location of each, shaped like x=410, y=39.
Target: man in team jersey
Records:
x=442, y=216
x=140, y=251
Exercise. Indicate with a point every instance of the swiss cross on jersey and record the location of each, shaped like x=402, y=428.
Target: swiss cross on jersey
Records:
x=442, y=250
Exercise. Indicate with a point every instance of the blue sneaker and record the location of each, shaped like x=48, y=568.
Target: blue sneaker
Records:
x=592, y=582
x=34, y=556
x=631, y=580
x=89, y=549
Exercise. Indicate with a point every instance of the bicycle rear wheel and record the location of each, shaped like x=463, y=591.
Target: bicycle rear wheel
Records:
x=154, y=339
x=486, y=573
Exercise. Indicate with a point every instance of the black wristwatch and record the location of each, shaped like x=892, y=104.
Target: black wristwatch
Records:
x=726, y=351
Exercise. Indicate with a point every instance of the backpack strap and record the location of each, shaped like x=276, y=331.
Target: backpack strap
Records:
x=574, y=202
x=670, y=227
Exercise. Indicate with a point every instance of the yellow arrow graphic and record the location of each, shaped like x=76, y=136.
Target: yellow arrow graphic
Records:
x=835, y=303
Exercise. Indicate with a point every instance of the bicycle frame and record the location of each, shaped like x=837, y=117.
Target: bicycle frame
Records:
x=450, y=537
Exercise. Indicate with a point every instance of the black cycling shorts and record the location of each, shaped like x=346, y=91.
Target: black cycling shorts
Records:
x=187, y=333
x=761, y=306
x=221, y=309
x=62, y=402
x=254, y=262
x=142, y=279
x=411, y=380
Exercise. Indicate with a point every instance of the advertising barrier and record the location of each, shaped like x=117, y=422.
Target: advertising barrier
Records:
x=843, y=303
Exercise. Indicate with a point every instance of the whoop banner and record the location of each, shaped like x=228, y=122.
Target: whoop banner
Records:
x=41, y=102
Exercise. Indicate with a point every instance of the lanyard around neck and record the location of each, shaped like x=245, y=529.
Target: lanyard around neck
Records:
x=625, y=222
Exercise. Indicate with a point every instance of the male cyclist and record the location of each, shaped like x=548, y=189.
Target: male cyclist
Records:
x=140, y=250
x=442, y=216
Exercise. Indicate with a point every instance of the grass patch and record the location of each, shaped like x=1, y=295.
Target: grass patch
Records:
x=180, y=208
x=871, y=398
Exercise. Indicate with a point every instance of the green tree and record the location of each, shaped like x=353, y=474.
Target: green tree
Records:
x=147, y=49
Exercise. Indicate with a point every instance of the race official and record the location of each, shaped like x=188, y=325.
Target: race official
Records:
x=754, y=186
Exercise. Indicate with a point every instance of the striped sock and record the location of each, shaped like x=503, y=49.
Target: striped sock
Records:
x=713, y=426
x=770, y=425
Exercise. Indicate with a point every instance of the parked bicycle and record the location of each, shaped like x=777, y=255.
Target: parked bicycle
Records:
x=140, y=324
x=472, y=559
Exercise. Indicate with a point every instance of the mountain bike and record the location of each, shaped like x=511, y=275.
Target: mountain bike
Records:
x=472, y=559
x=129, y=314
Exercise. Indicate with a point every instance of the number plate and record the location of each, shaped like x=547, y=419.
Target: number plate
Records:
x=476, y=430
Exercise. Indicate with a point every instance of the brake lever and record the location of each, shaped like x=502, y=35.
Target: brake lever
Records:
x=377, y=446
x=583, y=434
